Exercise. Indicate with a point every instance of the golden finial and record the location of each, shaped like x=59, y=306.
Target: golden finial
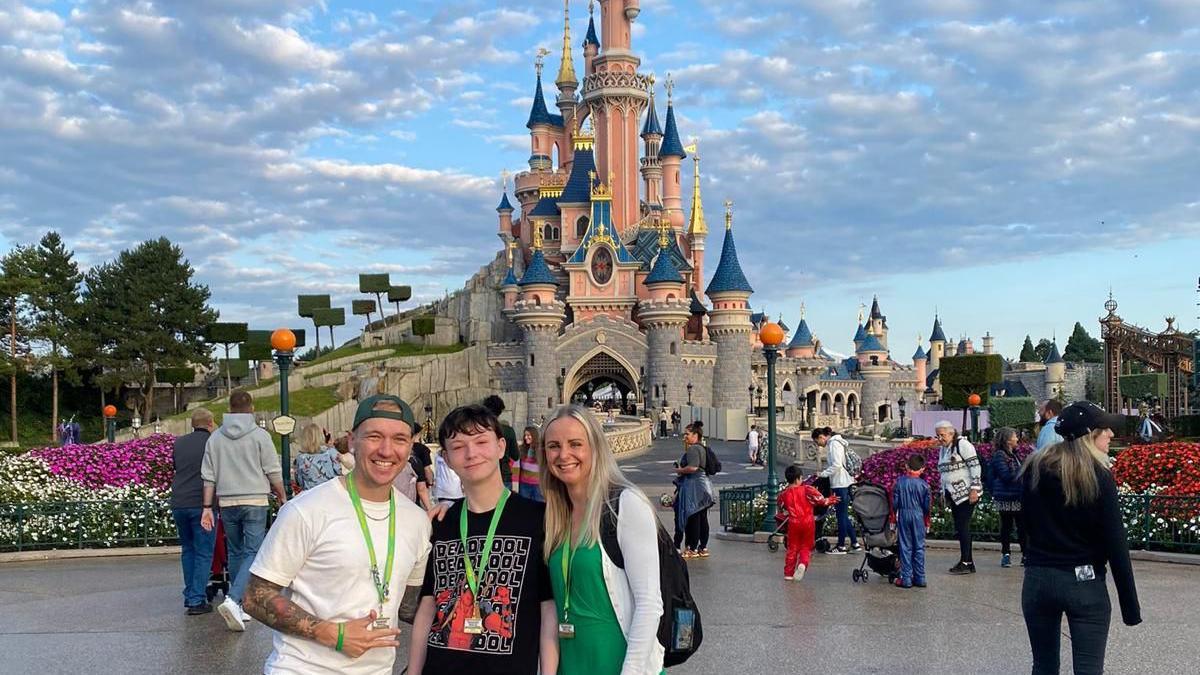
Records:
x=728, y=214
x=566, y=69
x=861, y=312
x=670, y=87
x=663, y=227
x=504, y=174
x=508, y=250
x=539, y=61
x=696, y=223
x=537, y=237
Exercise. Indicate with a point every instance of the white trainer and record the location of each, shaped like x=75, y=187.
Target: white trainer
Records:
x=800, y=571
x=232, y=613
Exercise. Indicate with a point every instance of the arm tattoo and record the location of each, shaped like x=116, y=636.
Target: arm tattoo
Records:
x=265, y=602
x=409, y=603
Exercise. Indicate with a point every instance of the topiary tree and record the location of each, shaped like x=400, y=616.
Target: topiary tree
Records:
x=256, y=348
x=329, y=316
x=364, y=308
x=1011, y=411
x=239, y=368
x=377, y=284
x=1028, y=355
x=1143, y=387
x=176, y=377
x=307, y=304
x=226, y=334
x=423, y=326
x=961, y=376
x=399, y=294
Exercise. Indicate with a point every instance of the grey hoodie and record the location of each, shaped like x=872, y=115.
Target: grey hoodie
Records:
x=240, y=459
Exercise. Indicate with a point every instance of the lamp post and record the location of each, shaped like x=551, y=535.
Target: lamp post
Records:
x=973, y=401
x=758, y=389
x=901, y=403
x=110, y=423
x=283, y=341
x=771, y=337
x=750, y=391
x=136, y=423
x=428, y=423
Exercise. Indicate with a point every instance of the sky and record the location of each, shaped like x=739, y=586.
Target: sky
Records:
x=1002, y=163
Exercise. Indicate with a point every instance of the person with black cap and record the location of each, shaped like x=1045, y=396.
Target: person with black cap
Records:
x=1074, y=528
x=346, y=559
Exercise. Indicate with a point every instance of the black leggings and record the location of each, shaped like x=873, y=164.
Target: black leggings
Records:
x=1009, y=520
x=1049, y=593
x=962, y=527
x=696, y=532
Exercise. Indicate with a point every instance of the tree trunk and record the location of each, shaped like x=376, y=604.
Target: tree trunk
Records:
x=149, y=397
x=12, y=379
x=228, y=379
x=317, y=332
x=54, y=404
x=331, y=342
x=379, y=304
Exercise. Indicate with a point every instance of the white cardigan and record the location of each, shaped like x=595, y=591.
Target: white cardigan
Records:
x=635, y=591
x=836, y=472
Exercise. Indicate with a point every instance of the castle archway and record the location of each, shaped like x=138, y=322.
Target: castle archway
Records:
x=601, y=374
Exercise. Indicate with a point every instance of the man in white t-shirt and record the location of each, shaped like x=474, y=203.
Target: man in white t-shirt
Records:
x=752, y=444
x=346, y=559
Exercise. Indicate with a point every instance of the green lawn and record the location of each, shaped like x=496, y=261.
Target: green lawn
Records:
x=301, y=403
x=385, y=351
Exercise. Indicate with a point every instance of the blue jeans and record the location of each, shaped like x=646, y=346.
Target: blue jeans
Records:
x=1047, y=594
x=197, y=554
x=843, y=517
x=245, y=527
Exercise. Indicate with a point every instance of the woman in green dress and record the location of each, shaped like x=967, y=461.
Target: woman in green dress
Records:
x=608, y=615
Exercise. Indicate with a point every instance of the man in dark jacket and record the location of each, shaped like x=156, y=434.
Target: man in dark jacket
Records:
x=187, y=502
x=512, y=452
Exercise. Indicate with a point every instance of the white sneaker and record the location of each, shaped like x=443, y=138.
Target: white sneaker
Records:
x=800, y=571
x=232, y=613
x=787, y=578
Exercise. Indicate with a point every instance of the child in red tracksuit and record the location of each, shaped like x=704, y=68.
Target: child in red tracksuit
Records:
x=796, y=502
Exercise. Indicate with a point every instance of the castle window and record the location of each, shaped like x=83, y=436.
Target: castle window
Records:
x=557, y=234
x=548, y=232
x=874, y=360
x=549, y=402
x=581, y=226
x=532, y=362
x=672, y=347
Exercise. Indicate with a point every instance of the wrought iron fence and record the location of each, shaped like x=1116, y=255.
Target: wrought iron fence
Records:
x=1152, y=522
x=86, y=524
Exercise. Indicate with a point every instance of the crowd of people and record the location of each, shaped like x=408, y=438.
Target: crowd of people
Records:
x=536, y=555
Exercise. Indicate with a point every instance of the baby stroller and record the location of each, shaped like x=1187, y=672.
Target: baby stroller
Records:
x=219, y=580
x=779, y=535
x=872, y=507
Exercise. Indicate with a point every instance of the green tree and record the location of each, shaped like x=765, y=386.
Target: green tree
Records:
x=227, y=335
x=142, y=311
x=1083, y=347
x=1028, y=355
x=364, y=308
x=16, y=282
x=306, y=305
x=377, y=284
x=1042, y=350
x=399, y=294
x=329, y=316
x=54, y=304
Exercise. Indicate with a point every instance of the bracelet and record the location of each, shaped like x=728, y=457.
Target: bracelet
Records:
x=341, y=637
x=208, y=506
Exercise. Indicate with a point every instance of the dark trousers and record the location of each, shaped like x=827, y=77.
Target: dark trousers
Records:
x=962, y=527
x=845, y=528
x=696, y=531
x=196, y=546
x=1049, y=593
x=1008, y=521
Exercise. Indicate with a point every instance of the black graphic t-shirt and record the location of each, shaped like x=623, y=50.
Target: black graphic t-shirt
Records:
x=514, y=585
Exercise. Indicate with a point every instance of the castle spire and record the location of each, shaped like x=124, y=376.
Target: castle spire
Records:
x=729, y=276
x=566, y=68
x=696, y=224
x=671, y=146
x=538, y=113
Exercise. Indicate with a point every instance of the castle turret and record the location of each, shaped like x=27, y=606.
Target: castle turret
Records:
x=989, y=343
x=505, y=211
x=509, y=286
x=664, y=316
x=567, y=83
x=652, y=141
x=802, y=345
x=860, y=336
x=937, y=344
x=540, y=316
x=591, y=43
x=877, y=323
x=697, y=230
x=876, y=370
x=1056, y=372
x=671, y=156
x=729, y=323
x=544, y=128
x=920, y=366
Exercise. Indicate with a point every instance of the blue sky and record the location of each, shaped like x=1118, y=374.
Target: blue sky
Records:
x=1003, y=162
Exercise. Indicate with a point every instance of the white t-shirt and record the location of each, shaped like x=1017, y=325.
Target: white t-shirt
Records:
x=446, y=483
x=752, y=439
x=315, y=549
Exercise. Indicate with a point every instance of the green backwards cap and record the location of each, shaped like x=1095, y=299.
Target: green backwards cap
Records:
x=366, y=410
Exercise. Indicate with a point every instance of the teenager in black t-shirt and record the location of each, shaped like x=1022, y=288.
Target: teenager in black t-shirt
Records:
x=478, y=614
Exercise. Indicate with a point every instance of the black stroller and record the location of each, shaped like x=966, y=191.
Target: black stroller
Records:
x=872, y=507
x=819, y=512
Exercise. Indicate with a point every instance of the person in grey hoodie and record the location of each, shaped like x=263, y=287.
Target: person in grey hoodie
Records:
x=240, y=470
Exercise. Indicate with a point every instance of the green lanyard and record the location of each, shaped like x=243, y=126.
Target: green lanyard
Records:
x=568, y=561
x=473, y=577
x=381, y=585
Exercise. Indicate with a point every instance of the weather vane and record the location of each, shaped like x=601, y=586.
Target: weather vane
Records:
x=540, y=60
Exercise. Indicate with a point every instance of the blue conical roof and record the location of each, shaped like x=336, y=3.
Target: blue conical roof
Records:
x=664, y=270
x=505, y=205
x=860, y=334
x=870, y=344
x=538, y=271
x=538, y=114
x=937, y=331
x=1053, y=356
x=803, y=336
x=590, y=38
x=578, y=189
x=651, y=126
x=510, y=279
x=729, y=276
x=671, y=147
x=919, y=354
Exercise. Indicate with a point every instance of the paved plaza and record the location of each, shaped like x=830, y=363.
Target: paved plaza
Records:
x=125, y=615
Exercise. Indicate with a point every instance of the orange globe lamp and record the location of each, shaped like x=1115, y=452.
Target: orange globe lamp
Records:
x=283, y=340
x=771, y=335
x=974, y=400
x=110, y=410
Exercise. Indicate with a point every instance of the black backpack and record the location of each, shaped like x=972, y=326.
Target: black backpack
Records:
x=712, y=463
x=678, y=639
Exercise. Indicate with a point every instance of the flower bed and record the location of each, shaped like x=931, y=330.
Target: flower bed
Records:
x=884, y=468
x=78, y=496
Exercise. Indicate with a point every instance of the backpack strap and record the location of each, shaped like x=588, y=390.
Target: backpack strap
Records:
x=608, y=528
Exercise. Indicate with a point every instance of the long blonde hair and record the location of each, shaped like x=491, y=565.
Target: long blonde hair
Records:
x=1075, y=463
x=605, y=475
x=311, y=439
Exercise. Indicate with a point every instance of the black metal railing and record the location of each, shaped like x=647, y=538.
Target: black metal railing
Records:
x=86, y=524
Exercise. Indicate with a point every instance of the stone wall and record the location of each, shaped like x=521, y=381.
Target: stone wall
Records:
x=1075, y=386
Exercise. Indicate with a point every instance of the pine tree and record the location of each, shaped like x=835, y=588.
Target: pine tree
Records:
x=15, y=285
x=1042, y=350
x=142, y=312
x=1028, y=355
x=1083, y=347
x=54, y=302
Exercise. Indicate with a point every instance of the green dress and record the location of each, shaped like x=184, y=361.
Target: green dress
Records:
x=598, y=647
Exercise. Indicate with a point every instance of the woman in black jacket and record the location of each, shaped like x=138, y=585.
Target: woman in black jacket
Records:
x=1006, y=492
x=1073, y=527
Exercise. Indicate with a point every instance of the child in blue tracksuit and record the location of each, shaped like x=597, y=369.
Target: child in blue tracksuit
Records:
x=910, y=508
